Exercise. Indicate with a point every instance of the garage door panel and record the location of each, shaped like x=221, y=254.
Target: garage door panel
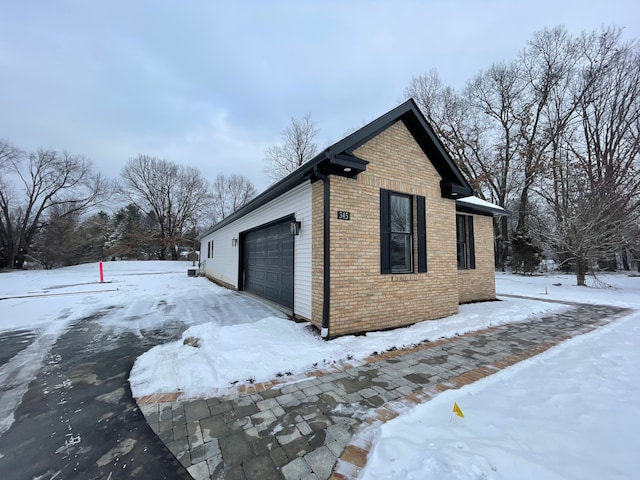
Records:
x=287, y=281
x=268, y=263
x=287, y=262
x=273, y=293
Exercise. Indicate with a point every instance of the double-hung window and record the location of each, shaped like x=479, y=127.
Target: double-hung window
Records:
x=401, y=233
x=465, y=242
x=397, y=232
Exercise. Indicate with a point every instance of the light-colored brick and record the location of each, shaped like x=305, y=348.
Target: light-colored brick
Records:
x=363, y=299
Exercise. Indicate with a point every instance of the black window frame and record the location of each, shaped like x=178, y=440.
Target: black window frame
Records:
x=465, y=242
x=417, y=233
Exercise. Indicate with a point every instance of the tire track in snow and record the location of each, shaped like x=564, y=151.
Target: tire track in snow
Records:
x=17, y=374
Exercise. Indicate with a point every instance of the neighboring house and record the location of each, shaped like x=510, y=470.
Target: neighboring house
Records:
x=372, y=233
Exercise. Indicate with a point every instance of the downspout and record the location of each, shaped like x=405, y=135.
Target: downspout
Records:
x=324, y=332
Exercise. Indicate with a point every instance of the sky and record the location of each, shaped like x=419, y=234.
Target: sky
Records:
x=212, y=84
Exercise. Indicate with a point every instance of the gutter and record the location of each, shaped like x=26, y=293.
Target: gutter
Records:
x=326, y=259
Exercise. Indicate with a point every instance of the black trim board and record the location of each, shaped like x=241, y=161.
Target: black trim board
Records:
x=472, y=244
x=421, y=234
x=326, y=258
x=385, y=232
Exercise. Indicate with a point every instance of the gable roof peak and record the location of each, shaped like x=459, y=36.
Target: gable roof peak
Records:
x=453, y=185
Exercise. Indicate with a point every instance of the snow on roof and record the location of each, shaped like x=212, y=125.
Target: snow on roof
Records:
x=482, y=205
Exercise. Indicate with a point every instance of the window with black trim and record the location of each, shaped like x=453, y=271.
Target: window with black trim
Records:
x=397, y=232
x=465, y=243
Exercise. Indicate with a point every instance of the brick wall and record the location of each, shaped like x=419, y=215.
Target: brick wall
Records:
x=480, y=283
x=362, y=299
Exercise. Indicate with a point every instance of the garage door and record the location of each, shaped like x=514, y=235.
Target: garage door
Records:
x=268, y=263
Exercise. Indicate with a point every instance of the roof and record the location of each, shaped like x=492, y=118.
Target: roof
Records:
x=338, y=159
x=482, y=207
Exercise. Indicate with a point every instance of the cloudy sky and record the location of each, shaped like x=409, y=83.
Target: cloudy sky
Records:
x=211, y=84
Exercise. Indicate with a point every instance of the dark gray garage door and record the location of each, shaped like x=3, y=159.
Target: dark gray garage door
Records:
x=268, y=263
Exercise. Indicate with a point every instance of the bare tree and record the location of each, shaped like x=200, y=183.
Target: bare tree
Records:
x=229, y=194
x=556, y=130
x=609, y=147
x=33, y=184
x=297, y=147
x=592, y=187
x=547, y=64
x=8, y=154
x=584, y=228
x=174, y=194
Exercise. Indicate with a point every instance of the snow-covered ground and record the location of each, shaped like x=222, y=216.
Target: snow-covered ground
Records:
x=570, y=413
x=135, y=297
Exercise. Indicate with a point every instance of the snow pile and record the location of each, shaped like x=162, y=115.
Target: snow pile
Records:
x=274, y=347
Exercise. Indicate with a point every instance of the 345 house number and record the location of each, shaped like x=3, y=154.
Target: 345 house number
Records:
x=344, y=215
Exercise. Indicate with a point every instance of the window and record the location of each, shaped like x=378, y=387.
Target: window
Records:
x=465, y=243
x=210, y=249
x=396, y=233
x=401, y=233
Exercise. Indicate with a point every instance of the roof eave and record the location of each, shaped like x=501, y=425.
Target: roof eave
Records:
x=481, y=210
x=341, y=164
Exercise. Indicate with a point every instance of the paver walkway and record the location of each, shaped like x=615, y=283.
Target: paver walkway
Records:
x=321, y=426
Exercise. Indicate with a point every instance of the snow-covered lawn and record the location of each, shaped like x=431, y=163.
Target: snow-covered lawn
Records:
x=570, y=413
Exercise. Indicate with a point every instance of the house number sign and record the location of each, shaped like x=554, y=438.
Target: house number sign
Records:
x=344, y=215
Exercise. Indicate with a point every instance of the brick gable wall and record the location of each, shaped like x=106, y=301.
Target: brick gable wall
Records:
x=362, y=299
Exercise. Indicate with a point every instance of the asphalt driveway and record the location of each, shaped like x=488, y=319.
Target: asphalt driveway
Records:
x=77, y=418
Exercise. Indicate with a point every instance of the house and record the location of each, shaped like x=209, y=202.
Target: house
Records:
x=379, y=230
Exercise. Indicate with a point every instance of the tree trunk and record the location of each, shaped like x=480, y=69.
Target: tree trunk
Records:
x=522, y=210
x=504, y=250
x=9, y=259
x=625, y=260
x=581, y=272
x=18, y=263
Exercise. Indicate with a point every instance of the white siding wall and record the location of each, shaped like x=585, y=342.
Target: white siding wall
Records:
x=224, y=264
